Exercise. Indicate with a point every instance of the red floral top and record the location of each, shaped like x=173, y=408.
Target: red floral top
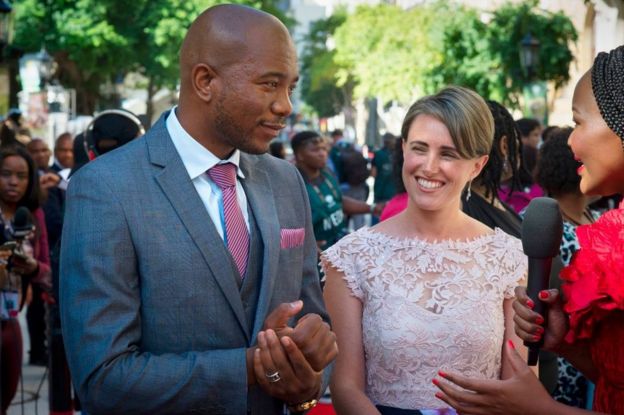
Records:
x=594, y=279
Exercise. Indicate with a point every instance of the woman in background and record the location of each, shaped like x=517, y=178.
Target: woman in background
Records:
x=398, y=203
x=27, y=262
x=503, y=165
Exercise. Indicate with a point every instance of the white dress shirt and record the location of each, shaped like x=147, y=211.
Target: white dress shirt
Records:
x=198, y=160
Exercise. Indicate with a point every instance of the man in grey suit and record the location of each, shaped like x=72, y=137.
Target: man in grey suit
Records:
x=187, y=252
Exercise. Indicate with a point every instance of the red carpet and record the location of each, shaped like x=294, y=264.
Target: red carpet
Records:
x=322, y=409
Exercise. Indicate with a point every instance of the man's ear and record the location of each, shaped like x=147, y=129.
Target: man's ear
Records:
x=203, y=79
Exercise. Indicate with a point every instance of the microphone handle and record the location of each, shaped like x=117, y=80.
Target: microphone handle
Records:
x=539, y=276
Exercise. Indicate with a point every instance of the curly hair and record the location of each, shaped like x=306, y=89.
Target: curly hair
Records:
x=556, y=167
x=504, y=126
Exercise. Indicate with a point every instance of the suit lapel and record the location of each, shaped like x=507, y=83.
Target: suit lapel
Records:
x=179, y=189
x=260, y=197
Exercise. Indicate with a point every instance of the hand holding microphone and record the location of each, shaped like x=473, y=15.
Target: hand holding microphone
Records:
x=21, y=228
x=542, y=230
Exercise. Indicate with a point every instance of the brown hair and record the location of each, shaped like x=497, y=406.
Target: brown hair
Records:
x=464, y=113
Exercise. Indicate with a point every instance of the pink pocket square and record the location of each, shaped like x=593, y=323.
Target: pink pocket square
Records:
x=291, y=238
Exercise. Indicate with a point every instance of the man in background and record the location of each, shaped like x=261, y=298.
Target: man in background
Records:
x=63, y=153
x=382, y=170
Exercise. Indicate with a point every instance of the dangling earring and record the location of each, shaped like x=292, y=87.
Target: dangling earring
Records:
x=505, y=166
x=468, y=194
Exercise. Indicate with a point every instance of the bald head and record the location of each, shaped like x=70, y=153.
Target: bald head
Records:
x=39, y=151
x=224, y=34
x=238, y=68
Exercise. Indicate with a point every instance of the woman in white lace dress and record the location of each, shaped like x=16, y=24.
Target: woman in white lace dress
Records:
x=431, y=287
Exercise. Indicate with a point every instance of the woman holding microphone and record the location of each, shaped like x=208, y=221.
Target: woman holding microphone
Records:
x=587, y=328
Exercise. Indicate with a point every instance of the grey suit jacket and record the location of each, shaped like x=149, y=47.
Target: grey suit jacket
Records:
x=152, y=317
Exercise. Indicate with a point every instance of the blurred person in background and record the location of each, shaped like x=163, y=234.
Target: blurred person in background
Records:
x=518, y=195
x=382, y=170
x=40, y=153
x=7, y=136
x=398, y=203
x=26, y=263
x=63, y=153
x=328, y=204
x=482, y=200
x=531, y=135
x=51, y=204
x=277, y=149
x=337, y=141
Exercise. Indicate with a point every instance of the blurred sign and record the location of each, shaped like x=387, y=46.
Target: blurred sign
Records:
x=29, y=73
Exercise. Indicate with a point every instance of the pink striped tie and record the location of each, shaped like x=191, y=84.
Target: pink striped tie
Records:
x=237, y=236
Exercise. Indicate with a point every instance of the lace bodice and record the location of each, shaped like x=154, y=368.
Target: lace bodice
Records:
x=428, y=306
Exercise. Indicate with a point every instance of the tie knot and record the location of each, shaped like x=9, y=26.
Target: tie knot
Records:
x=224, y=175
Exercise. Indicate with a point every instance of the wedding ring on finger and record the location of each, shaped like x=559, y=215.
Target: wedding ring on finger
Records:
x=273, y=377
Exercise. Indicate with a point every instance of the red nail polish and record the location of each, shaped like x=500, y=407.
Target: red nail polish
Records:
x=537, y=337
x=543, y=294
x=435, y=381
x=442, y=374
x=540, y=330
x=539, y=320
x=438, y=395
x=530, y=304
x=511, y=344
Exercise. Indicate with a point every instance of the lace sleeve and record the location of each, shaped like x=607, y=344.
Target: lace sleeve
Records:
x=514, y=267
x=342, y=256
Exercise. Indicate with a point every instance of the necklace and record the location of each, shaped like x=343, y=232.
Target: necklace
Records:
x=586, y=214
x=325, y=180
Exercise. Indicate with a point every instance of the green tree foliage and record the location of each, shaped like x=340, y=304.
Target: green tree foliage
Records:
x=320, y=87
x=396, y=54
x=486, y=57
x=387, y=50
x=94, y=41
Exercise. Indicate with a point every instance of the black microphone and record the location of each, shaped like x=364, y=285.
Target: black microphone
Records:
x=22, y=224
x=542, y=229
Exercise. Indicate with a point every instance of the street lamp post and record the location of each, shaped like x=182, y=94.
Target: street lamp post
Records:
x=529, y=55
x=45, y=66
x=5, y=24
x=535, y=90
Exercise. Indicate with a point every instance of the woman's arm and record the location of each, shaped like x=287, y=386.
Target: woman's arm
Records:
x=349, y=377
x=510, y=334
x=527, y=325
x=520, y=394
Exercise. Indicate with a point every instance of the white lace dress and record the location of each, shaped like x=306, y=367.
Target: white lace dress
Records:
x=428, y=307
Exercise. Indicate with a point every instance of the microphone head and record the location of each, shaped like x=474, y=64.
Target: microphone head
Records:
x=22, y=218
x=22, y=223
x=542, y=228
